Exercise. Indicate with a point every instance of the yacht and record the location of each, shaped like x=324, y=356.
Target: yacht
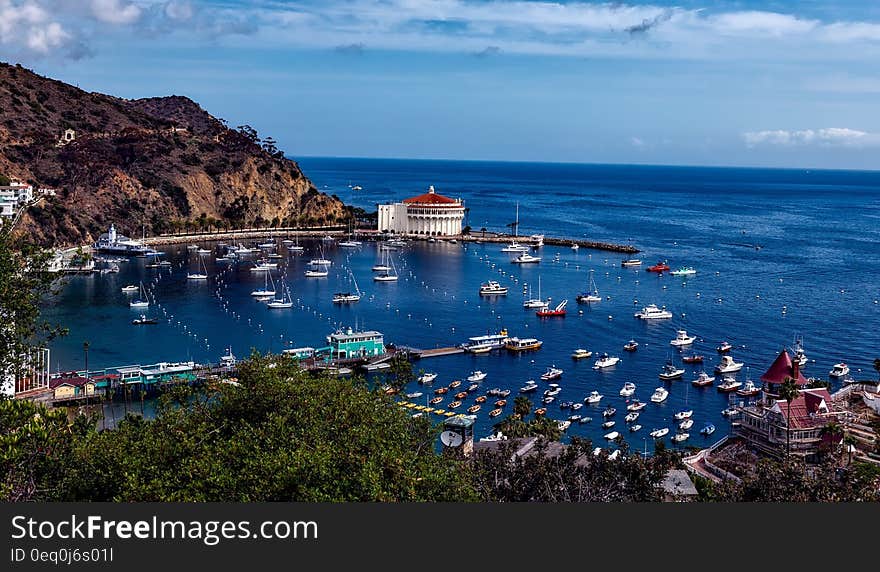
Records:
x=553, y=390
x=628, y=389
x=684, y=414
x=131, y=288
x=636, y=405
x=493, y=288
x=669, y=372
x=427, y=377
x=581, y=353
x=727, y=365
x=609, y=412
x=703, y=379
x=523, y=344
x=592, y=294
x=749, y=389
x=631, y=262
x=660, y=394
x=684, y=271
x=265, y=291
x=142, y=301
x=551, y=374
x=730, y=411
x=594, y=397
x=608, y=424
x=113, y=243
x=729, y=384
x=682, y=339
x=652, y=312
x=634, y=428
x=526, y=258
x=529, y=387
x=605, y=361
x=477, y=376
x=724, y=347
x=228, y=360
x=659, y=433
x=612, y=436
x=631, y=416
x=839, y=370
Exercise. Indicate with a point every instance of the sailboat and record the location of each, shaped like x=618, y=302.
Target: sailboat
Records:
x=514, y=246
x=351, y=242
x=265, y=291
x=296, y=248
x=390, y=272
x=316, y=271
x=592, y=295
x=348, y=297
x=141, y=301
x=532, y=303
x=281, y=303
x=199, y=275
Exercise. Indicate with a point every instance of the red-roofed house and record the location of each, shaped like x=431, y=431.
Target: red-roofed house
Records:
x=429, y=214
x=781, y=369
x=71, y=386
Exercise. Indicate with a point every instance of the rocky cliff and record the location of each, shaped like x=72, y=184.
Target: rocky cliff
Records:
x=158, y=164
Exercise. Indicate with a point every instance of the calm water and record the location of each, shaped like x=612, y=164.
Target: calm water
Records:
x=818, y=230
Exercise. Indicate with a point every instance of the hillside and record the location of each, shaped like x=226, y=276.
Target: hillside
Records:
x=161, y=163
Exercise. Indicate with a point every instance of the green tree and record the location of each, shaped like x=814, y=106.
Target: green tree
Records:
x=522, y=406
x=4, y=180
x=401, y=372
x=789, y=392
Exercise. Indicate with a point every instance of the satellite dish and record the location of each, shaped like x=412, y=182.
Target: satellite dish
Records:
x=450, y=438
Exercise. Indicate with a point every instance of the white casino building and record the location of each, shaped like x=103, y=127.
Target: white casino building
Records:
x=428, y=214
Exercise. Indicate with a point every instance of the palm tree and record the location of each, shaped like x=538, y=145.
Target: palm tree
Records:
x=788, y=391
x=522, y=406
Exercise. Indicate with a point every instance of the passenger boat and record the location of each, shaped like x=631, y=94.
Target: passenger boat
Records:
x=609, y=412
x=592, y=294
x=480, y=399
x=608, y=424
x=427, y=377
x=659, y=267
x=558, y=311
x=679, y=437
x=682, y=339
x=526, y=258
x=454, y=405
x=612, y=436
x=729, y=384
x=495, y=413
x=684, y=414
x=660, y=394
x=628, y=389
x=477, y=376
x=522, y=344
x=487, y=342
x=551, y=374
x=634, y=428
x=727, y=365
x=436, y=400
x=473, y=408
x=652, y=312
x=707, y=430
x=606, y=361
x=694, y=358
x=684, y=271
x=493, y=288
x=529, y=387
x=749, y=389
x=540, y=411
x=144, y=321
x=629, y=262
x=581, y=353
x=669, y=372
x=839, y=370
x=632, y=416
x=659, y=433
x=724, y=347
x=594, y=397
x=636, y=405
x=631, y=346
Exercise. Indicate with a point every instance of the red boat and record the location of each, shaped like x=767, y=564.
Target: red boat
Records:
x=659, y=267
x=558, y=311
x=692, y=359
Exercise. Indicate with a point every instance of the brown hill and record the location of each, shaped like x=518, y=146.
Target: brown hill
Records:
x=163, y=163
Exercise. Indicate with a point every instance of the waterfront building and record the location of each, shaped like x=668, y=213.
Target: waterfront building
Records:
x=163, y=372
x=72, y=387
x=429, y=214
x=350, y=344
x=299, y=353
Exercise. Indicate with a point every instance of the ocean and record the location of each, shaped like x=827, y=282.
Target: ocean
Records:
x=779, y=254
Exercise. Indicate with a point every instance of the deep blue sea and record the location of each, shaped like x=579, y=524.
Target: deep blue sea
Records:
x=818, y=231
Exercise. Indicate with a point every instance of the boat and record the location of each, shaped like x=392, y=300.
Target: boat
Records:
x=592, y=294
x=576, y=406
x=659, y=267
x=495, y=413
x=652, y=312
x=631, y=346
x=581, y=353
x=727, y=365
x=575, y=246
x=730, y=411
x=799, y=357
x=480, y=349
x=532, y=303
x=707, y=430
x=522, y=344
x=839, y=370
x=669, y=372
x=660, y=394
x=679, y=437
x=724, y=347
x=558, y=311
x=594, y=397
x=551, y=374
x=526, y=258
x=529, y=387
x=634, y=428
x=514, y=246
x=683, y=414
x=659, y=433
x=441, y=391
x=609, y=412
x=477, y=376
x=493, y=288
x=693, y=358
x=553, y=390
x=316, y=272
x=632, y=416
x=749, y=389
x=348, y=297
x=608, y=424
x=414, y=395
x=537, y=240
x=130, y=289
x=200, y=274
x=113, y=243
x=265, y=291
x=436, y=400
x=612, y=436
x=474, y=408
x=144, y=321
x=142, y=301
x=488, y=342
x=729, y=384
x=390, y=272
x=703, y=379
x=479, y=399
x=585, y=419
x=574, y=418
x=548, y=399
x=629, y=262
x=455, y=383
x=503, y=393
x=682, y=339
x=228, y=360
x=628, y=389
x=684, y=271
x=636, y=405
x=427, y=378
x=606, y=361
x=454, y=405
x=540, y=411
x=264, y=266
x=282, y=303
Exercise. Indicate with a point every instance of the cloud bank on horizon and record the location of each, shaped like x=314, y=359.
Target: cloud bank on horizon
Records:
x=689, y=33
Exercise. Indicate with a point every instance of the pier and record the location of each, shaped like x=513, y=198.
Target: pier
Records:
x=497, y=238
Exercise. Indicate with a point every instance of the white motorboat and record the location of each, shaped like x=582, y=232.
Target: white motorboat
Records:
x=703, y=379
x=659, y=433
x=682, y=339
x=729, y=384
x=575, y=246
x=730, y=412
x=576, y=406
x=612, y=436
x=632, y=416
x=581, y=353
x=526, y=258
x=799, y=357
x=636, y=405
x=727, y=365
x=684, y=414
x=528, y=387
x=264, y=266
x=228, y=360
x=606, y=361
x=652, y=312
x=551, y=374
x=493, y=288
x=477, y=376
x=839, y=370
x=594, y=397
x=686, y=424
x=628, y=389
x=499, y=436
x=684, y=271
x=631, y=262
x=670, y=372
x=131, y=288
x=634, y=428
x=679, y=437
x=427, y=377
x=564, y=425
x=608, y=424
x=553, y=390
x=660, y=394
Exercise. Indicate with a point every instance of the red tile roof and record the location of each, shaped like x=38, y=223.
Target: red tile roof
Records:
x=430, y=198
x=67, y=379
x=781, y=368
x=805, y=407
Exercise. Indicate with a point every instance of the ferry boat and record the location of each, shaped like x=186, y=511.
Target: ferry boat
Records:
x=727, y=365
x=682, y=339
x=606, y=361
x=703, y=379
x=113, y=243
x=631, y=346
x=522, y=344
x=581, y=353
x=652, y=312
x=660, y=394
x=839, y=370
x=670, y=372
x=636, y=405
x=557, y=312
x=684, y=271
x=749, y=389
x=493, y=288
x=551, y=374
x=659, y=267
x=477, y=376
x=526, y=258
x=489, y=341
x=594, y=397
x=591, y=296
x=693, y=358
x=724, y=347
x=629, y=262
x=659, y=433
x=628, y=389
x=729, y=384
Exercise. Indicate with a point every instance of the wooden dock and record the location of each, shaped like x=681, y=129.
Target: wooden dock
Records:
x=415, y=353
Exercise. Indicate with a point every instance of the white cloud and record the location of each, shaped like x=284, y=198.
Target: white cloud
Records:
x=180, y=11
x=115, y=11
x=27, y=27
x=828, y=136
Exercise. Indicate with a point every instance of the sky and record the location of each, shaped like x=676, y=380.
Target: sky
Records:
x=772, y=83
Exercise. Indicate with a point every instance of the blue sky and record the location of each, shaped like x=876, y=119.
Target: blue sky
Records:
x=776, y=83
